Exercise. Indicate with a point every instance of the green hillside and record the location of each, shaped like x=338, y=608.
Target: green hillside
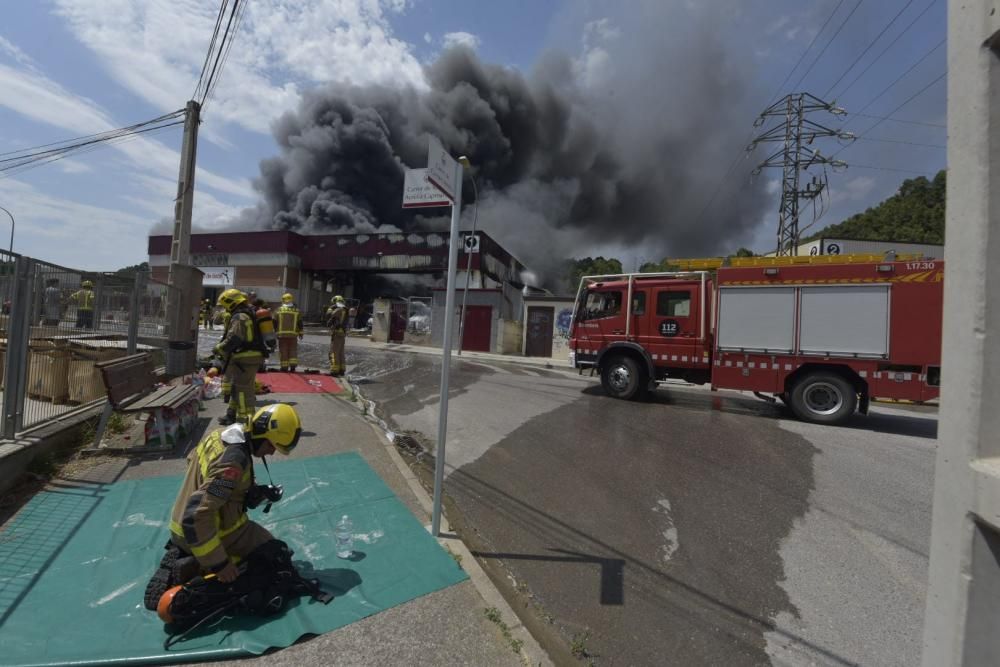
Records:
x=915, y=214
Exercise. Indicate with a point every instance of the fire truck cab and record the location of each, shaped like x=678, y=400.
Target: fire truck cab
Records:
x=824, y=336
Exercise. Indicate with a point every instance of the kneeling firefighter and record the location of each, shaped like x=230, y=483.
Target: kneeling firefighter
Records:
x=241, y=351
x=212, y=539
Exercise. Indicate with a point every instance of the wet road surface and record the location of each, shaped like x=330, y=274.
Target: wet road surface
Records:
x=692, y=528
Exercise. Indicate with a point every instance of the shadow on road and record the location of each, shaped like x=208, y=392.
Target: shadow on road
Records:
x=917, y=426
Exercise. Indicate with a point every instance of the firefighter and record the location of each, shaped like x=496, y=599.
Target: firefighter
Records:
x=206, y=314
x=336, y=319
x=84, y=300
x=227, y=377
x=241, y=352
x=289, y=333
x=209, y=519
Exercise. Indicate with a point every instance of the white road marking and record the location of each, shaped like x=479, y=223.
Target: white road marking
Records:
x=671, y=543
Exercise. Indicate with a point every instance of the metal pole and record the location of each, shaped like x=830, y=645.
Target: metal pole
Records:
x=18, y=332
x=11, y=228
x=449, y=323
x=133, y=312
x=468, y=260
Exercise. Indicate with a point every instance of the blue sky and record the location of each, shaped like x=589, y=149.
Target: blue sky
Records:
x=75, y=67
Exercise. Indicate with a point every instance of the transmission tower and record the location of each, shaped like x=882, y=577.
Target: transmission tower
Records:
x=796, y=133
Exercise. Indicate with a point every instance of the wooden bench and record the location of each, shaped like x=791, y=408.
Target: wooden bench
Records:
x=131, y=386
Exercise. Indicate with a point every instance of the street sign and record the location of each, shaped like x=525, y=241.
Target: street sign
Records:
x=442, y=169
x=471, y=243
x=418, y=191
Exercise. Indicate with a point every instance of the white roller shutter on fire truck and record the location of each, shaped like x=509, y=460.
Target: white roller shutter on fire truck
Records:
x=845, y=320
x=757, y=319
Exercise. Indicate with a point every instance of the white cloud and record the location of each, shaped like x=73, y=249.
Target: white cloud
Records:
x=40, y=99
x=460, y=38
x=156, y=50
x=11, y=50
x=428, y=38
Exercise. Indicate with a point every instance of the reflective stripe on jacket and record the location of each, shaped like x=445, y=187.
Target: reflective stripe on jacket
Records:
x=335, y=317
x=210, y=503
x=239, y=341
x=289, y=321
x=84, y=299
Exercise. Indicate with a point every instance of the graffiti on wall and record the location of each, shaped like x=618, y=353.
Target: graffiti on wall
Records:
x=563, y=321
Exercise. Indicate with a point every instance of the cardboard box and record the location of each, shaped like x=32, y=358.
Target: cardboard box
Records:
x=48, y=372
x=85, y=383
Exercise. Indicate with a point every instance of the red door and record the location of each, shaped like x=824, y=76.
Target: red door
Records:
x=478, y=323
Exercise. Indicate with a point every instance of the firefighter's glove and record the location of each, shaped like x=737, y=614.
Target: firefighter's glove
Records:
x=259, y=493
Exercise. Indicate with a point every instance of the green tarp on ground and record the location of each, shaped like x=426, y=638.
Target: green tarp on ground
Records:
x=74, y=564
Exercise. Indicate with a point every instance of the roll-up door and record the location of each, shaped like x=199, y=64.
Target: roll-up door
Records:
x=845, y=320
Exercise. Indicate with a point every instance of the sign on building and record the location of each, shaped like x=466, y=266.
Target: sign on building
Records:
x=418, y=192
x=471, y=243
x=218, y=276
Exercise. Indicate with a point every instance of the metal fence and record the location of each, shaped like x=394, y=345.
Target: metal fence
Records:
x=57, y=323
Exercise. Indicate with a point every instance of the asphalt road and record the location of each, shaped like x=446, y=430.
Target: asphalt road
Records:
x=692, y=528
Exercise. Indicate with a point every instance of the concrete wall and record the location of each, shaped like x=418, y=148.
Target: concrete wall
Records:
x=963, y=596
x=380, y=320
x=509, y=340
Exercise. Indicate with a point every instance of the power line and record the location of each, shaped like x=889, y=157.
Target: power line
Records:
x=900, y=141
x=891, y=113
x=898, y=120
x=44, y=159
x=210, y=82
x=172, y=114
x=870, y=45
x=211, y=48
x=901, y=171
x=225, y=56
x=816, y=60
x=903, y=75
x=788, y=76
x=886, y=49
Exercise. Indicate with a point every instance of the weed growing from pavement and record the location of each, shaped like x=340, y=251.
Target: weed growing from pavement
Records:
x=493, y=614
x=457, y=557
x=578, y=647
x=117, y=423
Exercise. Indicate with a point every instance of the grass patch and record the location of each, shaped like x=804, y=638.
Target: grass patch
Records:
x=578, y=646
x=493, y=615
x=118, y=423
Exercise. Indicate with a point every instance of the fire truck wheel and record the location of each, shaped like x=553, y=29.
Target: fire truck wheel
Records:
x=621, y=377
x=823, y=398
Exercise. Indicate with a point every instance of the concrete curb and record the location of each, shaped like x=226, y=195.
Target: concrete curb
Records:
x=531, y=651
x=543, y=362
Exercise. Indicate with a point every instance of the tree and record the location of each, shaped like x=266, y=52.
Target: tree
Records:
x=130, y=271
x=915, y=214
x=575, y=269
x=744, y=252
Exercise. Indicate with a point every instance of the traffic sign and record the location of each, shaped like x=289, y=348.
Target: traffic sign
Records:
x=442, y=169
x=471, y=242
x=418, y=192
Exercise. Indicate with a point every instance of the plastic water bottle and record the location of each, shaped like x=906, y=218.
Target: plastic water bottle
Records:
x=344, y=537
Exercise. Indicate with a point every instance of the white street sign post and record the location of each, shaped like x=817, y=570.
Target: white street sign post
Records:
x=418, y=192
x=446, y=174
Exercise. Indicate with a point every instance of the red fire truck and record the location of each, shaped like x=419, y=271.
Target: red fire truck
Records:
x=825, y=334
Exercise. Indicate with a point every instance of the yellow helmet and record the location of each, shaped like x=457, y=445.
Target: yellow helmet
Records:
x=287, y=298
x=279, y=424
x=231, y=298
x=337, y=299
x=86, y=283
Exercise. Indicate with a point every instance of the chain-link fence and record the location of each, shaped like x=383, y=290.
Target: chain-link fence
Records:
x=57, y=323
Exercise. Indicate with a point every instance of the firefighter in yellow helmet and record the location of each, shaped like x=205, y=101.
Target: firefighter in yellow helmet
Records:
x=209, y=518
x=84, y=300
x=336, y=319
x=241, y=352
x=290, y=331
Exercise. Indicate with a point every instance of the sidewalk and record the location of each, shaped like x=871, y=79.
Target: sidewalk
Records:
x=448, y=627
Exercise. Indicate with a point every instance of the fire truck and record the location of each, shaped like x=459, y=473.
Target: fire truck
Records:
x=823, y=334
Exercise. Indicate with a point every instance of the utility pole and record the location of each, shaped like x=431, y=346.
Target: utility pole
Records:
x=794, y=133
x=180, y=246
x=184, y=282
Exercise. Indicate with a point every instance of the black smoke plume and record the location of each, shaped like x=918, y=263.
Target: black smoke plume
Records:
x=621, y=148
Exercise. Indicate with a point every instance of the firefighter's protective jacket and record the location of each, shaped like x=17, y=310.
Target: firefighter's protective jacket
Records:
x=210, y=504
x=336, y=317
x=241, y=340
x=289, y=321
x=83, y=298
